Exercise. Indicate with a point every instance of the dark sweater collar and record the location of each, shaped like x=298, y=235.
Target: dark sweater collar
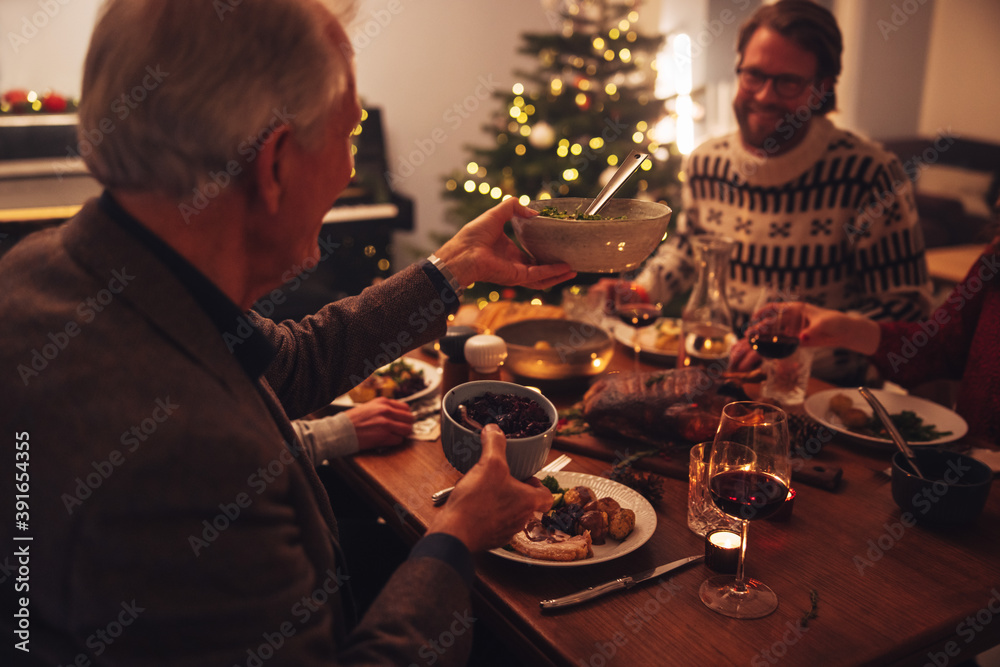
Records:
x=249, y=345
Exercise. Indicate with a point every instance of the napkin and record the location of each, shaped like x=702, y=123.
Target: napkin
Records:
x=988, y=456
x=428, y=424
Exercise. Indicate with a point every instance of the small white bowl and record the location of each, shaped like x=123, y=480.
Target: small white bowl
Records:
x=462, y=446
x=594, y=246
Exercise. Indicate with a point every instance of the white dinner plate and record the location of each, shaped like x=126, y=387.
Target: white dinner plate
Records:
x=647, y=340
x=933, y=414
x=432, y=376
x=645, y=521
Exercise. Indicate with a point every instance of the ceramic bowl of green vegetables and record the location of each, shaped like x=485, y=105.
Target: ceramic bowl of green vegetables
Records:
x=619, y=238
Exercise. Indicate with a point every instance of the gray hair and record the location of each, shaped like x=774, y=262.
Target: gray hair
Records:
x=176, y=92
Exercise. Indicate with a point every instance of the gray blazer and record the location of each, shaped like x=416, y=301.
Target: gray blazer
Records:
x=173, y=519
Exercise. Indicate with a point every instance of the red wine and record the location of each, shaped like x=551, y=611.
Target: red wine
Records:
x=639, y=315
x=747, y=495
x=774, y=347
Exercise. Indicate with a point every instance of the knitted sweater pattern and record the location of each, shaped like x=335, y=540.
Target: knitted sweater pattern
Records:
x=833, y=219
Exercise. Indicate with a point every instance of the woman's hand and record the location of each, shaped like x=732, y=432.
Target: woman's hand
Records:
x=823, y=327
x=742, y=358
x=832, y=328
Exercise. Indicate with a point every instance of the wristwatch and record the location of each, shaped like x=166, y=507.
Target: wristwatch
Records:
x=439, y=264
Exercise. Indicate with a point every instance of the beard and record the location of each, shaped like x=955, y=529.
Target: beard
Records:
x=769, y=128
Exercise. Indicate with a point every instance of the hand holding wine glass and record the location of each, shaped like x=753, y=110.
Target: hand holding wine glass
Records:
x=774, y=330
x=749, y=475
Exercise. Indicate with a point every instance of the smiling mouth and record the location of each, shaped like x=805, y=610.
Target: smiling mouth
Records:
x=767, y=111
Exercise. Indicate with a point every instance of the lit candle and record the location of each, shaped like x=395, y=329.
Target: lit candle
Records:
x=722, y=550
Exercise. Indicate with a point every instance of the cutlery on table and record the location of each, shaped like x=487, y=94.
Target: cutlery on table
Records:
x=556, y=465
x=617, y=584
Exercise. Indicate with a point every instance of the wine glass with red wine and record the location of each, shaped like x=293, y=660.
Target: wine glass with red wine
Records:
x=749, y=473
x=774, y=331
x=632, y=309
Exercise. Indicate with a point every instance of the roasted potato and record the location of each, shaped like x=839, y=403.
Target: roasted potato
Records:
x=608, y=505
x=579, y=495
x=596, y=523
x=841, y=403
x=363, y=393
x=621, y=523
x=854, y=418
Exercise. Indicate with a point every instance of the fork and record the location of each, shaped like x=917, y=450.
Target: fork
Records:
x=555, y=465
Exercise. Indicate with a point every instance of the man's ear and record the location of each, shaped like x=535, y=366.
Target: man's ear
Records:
x=269, y=168
x=823, y=91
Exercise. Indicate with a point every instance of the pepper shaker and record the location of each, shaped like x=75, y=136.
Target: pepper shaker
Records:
x=454, y=367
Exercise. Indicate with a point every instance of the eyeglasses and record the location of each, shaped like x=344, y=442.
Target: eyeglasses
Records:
x=785, y=85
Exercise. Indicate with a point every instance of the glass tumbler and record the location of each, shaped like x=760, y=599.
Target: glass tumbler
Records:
x=703, y=516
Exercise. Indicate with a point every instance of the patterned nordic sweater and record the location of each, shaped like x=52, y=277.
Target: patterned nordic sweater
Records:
x=834, y=219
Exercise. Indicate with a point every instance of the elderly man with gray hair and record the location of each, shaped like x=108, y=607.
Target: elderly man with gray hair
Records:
x=170, y=498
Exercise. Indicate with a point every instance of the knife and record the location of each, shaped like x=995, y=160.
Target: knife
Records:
x=623, y=582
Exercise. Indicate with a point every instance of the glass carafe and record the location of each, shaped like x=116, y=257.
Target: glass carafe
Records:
x=707, y=322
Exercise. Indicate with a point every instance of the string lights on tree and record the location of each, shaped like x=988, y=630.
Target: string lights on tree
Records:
x=562, y=128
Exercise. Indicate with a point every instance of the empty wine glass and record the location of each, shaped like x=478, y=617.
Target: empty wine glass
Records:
x=749, y=475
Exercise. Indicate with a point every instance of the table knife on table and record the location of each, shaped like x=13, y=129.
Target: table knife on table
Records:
x=617, y=584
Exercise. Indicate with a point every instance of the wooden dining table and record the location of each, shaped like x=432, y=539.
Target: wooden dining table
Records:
x=858, y=582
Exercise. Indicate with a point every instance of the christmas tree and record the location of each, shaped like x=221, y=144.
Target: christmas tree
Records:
x=562, y=132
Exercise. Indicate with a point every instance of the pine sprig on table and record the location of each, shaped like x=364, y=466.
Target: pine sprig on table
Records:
x=813, y=611
x=648, y=485
x=571, y=421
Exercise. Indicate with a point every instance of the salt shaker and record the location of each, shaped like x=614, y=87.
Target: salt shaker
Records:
x=485, y=354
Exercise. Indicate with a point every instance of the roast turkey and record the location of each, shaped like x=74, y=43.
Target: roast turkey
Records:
x=670, y=406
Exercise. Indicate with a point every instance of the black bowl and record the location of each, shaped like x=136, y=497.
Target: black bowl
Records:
x=953, y=491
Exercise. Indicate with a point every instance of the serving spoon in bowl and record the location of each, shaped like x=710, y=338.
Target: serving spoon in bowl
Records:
x=894, y=433
x=627, y=168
